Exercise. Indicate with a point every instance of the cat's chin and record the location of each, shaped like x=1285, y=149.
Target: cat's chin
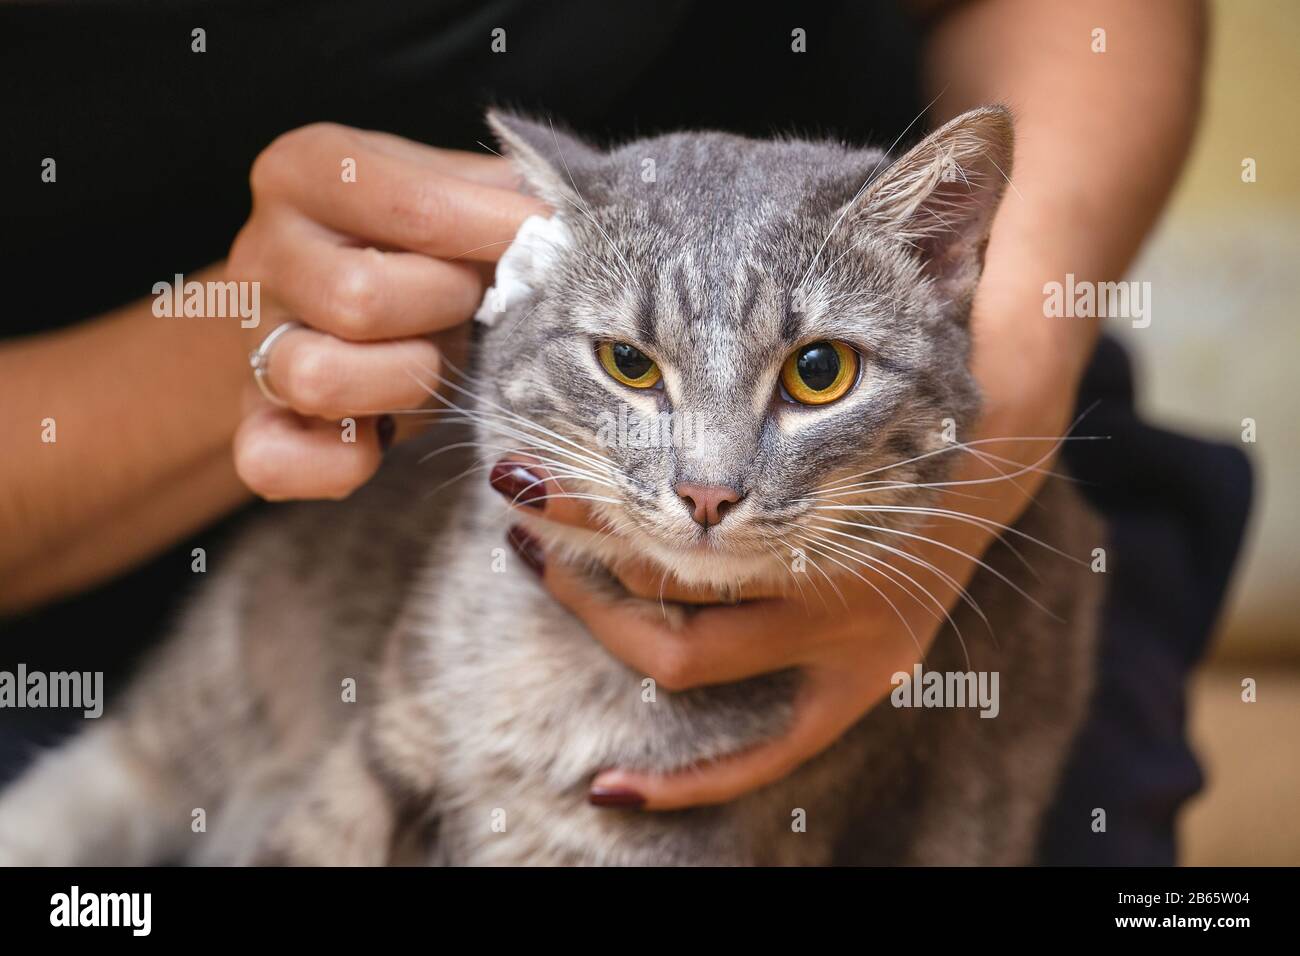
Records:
x=711, y=567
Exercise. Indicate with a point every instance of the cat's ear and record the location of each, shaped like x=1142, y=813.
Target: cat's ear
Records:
x=550, y=159
x=941, y=195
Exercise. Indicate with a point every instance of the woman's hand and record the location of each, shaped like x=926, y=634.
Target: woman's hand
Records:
x=371, y=264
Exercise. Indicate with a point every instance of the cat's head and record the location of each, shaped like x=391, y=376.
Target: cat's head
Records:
x=719, y=340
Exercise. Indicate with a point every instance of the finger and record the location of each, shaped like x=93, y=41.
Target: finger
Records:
x=391, y=201
x=281, y=455
x=527, y=484
x=714, y=646
x=485, y=168
x=355, y=293
x=822, y=714
x=322, y=376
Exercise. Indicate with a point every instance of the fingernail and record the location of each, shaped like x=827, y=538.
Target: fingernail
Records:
x=386, y=429
x=528, y=548
x=623, y=797
x=519, y=485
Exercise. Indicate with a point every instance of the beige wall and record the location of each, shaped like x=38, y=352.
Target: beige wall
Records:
x=1224, y=344
x=1224, y=341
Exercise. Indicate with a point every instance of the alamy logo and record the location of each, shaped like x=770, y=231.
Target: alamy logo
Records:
x=209, y=300
x=103, y=909
x=74, y=689
x=923, y=688
x=665, y=430
x=1098, y=300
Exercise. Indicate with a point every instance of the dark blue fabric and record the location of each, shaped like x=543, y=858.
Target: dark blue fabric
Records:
x=1177, y=510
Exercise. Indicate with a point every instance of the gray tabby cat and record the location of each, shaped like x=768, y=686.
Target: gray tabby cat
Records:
x=482, y=709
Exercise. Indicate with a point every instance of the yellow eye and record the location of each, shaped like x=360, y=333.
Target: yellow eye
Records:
x=628, y=364
x=820, y=372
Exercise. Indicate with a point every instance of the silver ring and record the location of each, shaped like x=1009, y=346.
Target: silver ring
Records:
x=260, y=360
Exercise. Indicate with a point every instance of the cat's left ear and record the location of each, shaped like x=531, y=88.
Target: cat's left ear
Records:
x=551, y=160
x=940, y=198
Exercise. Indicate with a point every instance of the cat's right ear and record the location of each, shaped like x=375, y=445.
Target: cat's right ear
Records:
x=550, y=159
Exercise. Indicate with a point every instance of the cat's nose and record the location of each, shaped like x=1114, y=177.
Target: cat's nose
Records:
x=708, y=503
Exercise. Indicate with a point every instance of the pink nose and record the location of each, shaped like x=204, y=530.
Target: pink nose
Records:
x=708, y=503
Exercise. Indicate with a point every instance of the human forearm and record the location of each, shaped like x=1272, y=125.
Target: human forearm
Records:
x=182, y=504
x=1100, y=140
x=143, y=409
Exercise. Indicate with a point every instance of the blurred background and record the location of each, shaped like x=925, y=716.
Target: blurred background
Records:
x=1224, y=268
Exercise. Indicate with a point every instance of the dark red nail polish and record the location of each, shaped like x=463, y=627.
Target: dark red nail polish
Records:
x=386, y=429
x=517, y=484
x=528, y=548
x=615, y=797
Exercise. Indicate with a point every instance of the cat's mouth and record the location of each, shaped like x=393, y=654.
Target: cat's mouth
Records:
x=716, y=557
x=705, y=558
x=709, y=541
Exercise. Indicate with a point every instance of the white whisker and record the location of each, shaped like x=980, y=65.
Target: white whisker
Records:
x=948, y=547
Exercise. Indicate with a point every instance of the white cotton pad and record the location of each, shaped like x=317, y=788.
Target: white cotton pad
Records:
x=532, y=252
